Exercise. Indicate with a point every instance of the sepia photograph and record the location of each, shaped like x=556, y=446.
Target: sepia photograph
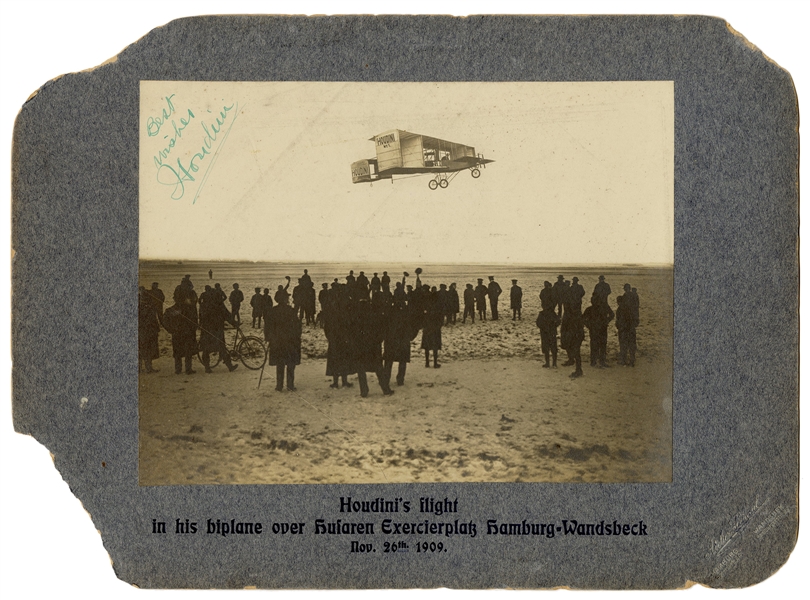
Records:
x=405, y=282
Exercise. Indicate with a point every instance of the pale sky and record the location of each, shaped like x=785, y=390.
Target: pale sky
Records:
x=583, y=172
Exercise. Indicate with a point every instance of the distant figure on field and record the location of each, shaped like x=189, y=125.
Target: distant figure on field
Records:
x=454, y=304
x=515, y=299
x=236, y=299
x=494, y=291
x=210, y=274
x=469, y=303
x=256, y=304
x=559, y=294
x=432, y=330
x=481, y=293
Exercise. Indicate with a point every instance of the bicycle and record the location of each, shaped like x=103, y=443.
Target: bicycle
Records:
x=248, y=349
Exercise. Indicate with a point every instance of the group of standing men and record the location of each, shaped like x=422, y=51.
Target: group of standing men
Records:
x=369, y=326
x=561, y=305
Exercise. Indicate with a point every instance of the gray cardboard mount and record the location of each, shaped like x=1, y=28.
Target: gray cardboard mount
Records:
x=729, y=517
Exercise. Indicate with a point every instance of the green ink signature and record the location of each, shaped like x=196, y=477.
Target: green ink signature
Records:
x=176, y=175
x=153, y=124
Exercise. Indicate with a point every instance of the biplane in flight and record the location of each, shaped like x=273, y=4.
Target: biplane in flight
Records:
x=404, y=153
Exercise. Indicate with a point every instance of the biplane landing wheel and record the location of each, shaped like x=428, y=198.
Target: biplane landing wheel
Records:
x=433, y=184
x=475, y=173
x=444, y=183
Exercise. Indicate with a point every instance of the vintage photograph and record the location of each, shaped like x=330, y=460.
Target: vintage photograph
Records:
x=345, y=282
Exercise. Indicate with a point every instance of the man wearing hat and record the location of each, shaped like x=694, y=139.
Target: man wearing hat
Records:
x=602, y=290
x=481, y=293
x=494, y=291
x=515, y=299
x=469, y=303
x=575, y=294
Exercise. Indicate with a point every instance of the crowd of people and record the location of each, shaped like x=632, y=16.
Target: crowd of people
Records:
x=369, y=325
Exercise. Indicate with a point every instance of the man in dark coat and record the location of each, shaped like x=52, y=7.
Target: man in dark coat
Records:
x=576, y=336
x=494, y=291
x=362, y=286
x=481, y=293
x=548, y=298
x=236, y=299
x=454, y=304
x=596, y=318
x=220, y=292
x=559, y=294
x=385, y=282
x=158, y=298
x=575, y=294
x=626, y=324
x=547, y=322
x=266, y=304
x=376, y=284
x=366, y=336
x=399, y=331
x=309, y=304
x=443, y=300
x=180, y=320
x=256, y=304
x=213, y=316
x=469, y=303
x=282, y=332
x=432, y=329
x=516, y=299
x=601, y=291
x=336, y=329
x=148, y=330
x=298, y=300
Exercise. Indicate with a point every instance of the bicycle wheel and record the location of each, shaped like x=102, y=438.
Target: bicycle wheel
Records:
x=213, y=359
x=252, y=352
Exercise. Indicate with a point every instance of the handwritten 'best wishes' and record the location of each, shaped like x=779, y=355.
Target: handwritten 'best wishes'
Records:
x=177, y=173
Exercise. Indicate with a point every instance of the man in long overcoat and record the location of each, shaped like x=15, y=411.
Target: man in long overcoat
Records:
x=399, y=331
x=596, y=318
x=366, y=336
x=481, y=293
x=515, y=299
x=148, y=330
x=494, y=291
x=282, y=331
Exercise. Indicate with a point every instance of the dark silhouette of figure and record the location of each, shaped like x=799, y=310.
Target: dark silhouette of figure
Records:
x=626, y=324
x=443, y=300
x=282, y=292
x=266, y=304
x=385, y=282
x=366, y=329
x=148, y=330
x=298, y=300
x=282, y=332
x=210, y=274
x=547, y=322
x=601, y=291
x=376, y=284
x=469, y=303
x=220, y=292
x=494, y=291
x=631, y=300
x=454, y=304
x=596, y=318
x=399, y=332
x=336, y=328
x=516, y=299
x=432, y=329
x=559, y=294
x=576, y=336
x=309, y=304
x=481, y=293
x=157, y=298
x=306, y=280
x=575, y=294
x=548, y=298
x=180, y=320
x=361, y=285
x=323, y=299
x=213, y=316
x=256, y=304
x=350, y=281
x=236, y=299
